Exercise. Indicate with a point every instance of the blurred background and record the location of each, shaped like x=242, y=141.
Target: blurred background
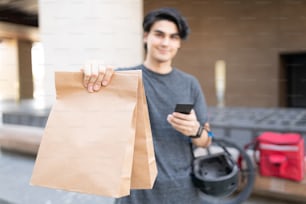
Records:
x=249, y=57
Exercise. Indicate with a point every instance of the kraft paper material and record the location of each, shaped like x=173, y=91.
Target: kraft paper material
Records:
x=97, y=143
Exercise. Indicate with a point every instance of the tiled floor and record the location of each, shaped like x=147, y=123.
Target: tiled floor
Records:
x=264, y=200
x=4, y=202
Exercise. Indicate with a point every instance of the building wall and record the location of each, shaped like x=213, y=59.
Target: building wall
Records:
x=249, y=36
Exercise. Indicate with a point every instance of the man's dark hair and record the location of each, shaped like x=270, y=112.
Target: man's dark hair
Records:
x=169, y=14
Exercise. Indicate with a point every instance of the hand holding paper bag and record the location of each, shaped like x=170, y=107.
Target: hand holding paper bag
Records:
x=98, y=143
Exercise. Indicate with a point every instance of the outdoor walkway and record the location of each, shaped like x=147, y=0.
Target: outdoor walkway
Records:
x=15, y=174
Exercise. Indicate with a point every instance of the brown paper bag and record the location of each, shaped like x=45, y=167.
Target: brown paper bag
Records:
x=97, y=143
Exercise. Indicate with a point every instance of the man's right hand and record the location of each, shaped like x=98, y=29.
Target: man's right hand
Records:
x=96, y=75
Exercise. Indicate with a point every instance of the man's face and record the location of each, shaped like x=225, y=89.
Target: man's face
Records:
x=162, y=41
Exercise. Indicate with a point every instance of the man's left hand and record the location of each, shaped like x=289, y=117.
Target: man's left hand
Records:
x=186, y=124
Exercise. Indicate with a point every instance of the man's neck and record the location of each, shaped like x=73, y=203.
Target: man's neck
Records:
x=161, y=68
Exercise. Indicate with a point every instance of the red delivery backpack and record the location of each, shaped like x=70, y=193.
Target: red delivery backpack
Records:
x=281, y=155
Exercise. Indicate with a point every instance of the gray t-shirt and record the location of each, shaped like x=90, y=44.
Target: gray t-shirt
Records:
x=173, y=150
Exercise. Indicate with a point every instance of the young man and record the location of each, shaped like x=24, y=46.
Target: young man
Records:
x=173, y=132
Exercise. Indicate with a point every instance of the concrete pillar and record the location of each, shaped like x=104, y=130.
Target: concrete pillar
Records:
x=72, y=32
x=25, y=69
x=9, y=69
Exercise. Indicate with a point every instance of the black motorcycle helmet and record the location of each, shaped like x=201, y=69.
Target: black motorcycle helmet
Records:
x=216, y=174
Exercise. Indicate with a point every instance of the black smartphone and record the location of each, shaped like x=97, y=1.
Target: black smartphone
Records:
x=183, y=108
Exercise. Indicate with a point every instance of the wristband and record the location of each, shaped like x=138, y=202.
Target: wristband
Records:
x=199, y=133
x=210, y=134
